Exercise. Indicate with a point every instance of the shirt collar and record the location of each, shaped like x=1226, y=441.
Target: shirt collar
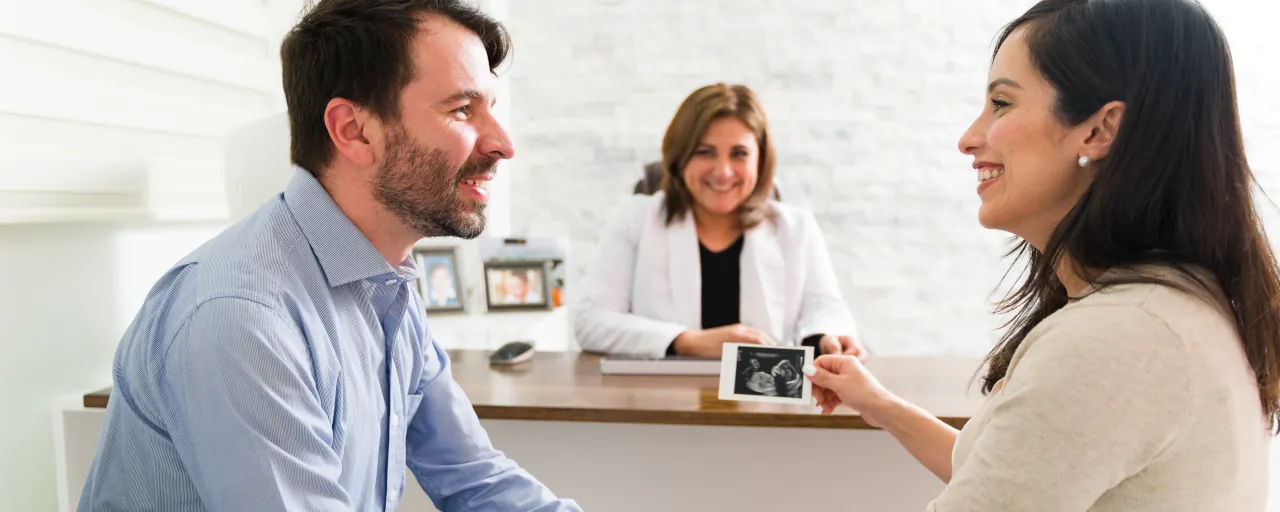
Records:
x=344, y=253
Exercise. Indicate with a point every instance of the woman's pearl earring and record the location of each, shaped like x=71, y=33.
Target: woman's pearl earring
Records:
x=1084, y=161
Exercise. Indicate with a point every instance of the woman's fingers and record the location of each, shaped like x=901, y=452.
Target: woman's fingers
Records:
x=744, y=334
x=830, y=402
x=820, y=396
x=764, y=338
x=828, y=345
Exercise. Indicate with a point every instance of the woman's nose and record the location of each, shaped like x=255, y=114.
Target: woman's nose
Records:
x=971, y=139
x=724, y=168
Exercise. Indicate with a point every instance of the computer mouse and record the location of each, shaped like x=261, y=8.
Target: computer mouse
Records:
x=514, y=352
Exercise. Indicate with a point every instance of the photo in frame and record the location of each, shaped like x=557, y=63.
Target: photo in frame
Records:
x=439, y=280
x=516, y=285
x=758, y=373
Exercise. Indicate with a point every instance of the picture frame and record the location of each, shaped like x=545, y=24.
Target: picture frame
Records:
x=758, y=373
x=440, y=281
x=516, y=286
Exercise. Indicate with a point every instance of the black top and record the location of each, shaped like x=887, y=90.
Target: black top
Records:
x=722, y=289
x=721, y=284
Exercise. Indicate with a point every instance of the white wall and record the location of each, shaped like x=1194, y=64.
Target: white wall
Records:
x=103, y=101
x=112, y=114
x=866, y=102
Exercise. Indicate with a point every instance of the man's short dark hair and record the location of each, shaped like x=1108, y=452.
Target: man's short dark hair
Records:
x=360, y=50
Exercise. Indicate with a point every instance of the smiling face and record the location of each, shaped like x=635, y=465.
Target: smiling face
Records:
x=722, y=172
x=441, y=279
x=1024, y=156
x=443, y=151
x=517, y=284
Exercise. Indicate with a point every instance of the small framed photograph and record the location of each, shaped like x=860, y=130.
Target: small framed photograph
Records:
x=439, y=281
x=765, y=374
x=516, y=285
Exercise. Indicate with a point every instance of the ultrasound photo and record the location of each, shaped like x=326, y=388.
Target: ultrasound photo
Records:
x=765, y=374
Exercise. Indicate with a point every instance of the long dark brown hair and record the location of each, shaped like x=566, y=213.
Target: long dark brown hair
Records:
x=1175, y=189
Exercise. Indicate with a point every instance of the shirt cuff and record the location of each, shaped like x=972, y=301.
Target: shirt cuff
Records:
x=812, y=340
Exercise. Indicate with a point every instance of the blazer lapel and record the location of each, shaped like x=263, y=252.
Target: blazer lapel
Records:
x=684, y=268
x=763, y=282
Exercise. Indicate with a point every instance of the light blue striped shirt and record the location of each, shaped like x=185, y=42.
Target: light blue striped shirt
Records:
x=284, y=365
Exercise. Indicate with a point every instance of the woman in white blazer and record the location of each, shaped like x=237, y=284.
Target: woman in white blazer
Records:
x=711, y=258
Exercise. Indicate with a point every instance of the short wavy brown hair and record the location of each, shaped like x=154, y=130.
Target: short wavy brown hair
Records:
x=362, y=51
x=690, y=122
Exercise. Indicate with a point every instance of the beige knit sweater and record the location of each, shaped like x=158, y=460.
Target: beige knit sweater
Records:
x=1135, y=398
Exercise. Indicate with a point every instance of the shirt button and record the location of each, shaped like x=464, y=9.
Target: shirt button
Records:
x=395, y=421
x=391, y=282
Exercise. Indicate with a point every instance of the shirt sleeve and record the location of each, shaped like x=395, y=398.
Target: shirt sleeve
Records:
x=1090, y=402
x=450, y=454
x=242, y=410
x=823, y=308
x=813, y=340
x=602, y=317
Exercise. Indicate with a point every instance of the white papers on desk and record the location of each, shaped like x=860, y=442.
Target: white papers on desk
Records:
x=673, y=365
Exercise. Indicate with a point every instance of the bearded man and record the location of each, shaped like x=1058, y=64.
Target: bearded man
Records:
x=286, y=363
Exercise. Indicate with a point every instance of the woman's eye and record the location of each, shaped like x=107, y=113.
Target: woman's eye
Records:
x=996, y=105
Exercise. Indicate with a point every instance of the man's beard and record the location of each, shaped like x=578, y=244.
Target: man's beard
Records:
x=419, y=186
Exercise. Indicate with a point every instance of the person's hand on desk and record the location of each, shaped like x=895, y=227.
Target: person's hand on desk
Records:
x=710, y=342
x=842, y=379
x=843, y=345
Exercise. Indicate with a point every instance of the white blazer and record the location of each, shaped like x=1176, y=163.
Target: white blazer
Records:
x=644, y=286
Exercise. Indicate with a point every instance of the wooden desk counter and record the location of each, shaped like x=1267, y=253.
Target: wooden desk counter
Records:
x=568, y=386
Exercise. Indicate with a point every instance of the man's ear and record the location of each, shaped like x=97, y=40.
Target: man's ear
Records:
x=1103, y=127
x=351, y=129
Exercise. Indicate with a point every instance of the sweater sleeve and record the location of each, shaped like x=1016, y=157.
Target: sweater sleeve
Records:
x=1092, y=399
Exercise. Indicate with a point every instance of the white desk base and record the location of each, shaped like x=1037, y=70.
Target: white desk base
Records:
x=630, y=467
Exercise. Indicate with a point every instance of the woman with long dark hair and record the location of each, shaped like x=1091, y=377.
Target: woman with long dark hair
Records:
x=1140, y=369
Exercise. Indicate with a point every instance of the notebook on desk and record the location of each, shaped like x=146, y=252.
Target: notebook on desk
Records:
x=670, y=365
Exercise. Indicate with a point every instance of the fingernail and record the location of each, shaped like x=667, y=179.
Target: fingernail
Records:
x=808, y=370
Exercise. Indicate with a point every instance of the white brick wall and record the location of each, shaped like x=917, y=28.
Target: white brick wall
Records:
x=866, y=103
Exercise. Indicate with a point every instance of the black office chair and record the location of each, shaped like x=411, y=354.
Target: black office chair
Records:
x=652, y=181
